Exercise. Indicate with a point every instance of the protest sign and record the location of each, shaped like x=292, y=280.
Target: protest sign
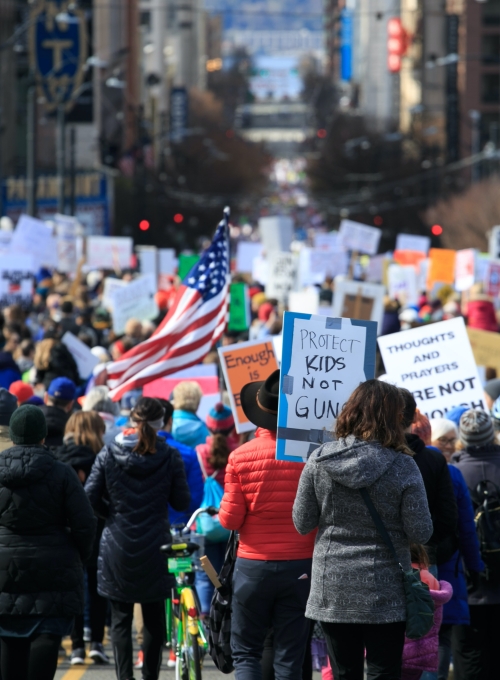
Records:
x=276, y=233
x=16, y=280
x=109, y=252
x=135, y=300
x=359, y=300
x=413, y=242
x=244, y=363
x=148, y=260
x=167, y=267
x=34, y=238
x=66, y=233
x=328, y=241
x=485, y=347
x=435, y=362
x=482, y=262
x=409, y=257
x=359, y=237
x=260, y=270
x=239, y=307
x=110, y=285
x=304, y=301
x=375, y=268
x=441, y=267
x=246, y=252
x=492, y=279
x=324, y=360
x=186, y=263
x=5, y=239
x=315, y=264
x=494, y=243
x=85, y=360
x=465, y=267
x=281, y=276
x=402, y=284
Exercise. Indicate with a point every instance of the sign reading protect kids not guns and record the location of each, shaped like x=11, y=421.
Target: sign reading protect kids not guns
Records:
x=324, y=360
x=243, y=363
x=435, y=362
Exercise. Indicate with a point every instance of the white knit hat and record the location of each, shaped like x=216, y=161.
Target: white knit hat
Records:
x=442, y=426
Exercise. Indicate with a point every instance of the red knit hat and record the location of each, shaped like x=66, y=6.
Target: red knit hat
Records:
x=220, y=419
x=21, y=390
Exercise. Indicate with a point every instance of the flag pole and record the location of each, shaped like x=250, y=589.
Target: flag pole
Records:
x=226, y=213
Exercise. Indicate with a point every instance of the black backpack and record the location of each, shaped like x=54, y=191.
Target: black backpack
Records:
x=486, y=499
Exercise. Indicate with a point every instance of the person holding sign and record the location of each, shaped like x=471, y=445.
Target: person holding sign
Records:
x=357, y=590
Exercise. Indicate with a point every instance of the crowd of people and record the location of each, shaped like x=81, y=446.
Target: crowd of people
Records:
x=89, y=489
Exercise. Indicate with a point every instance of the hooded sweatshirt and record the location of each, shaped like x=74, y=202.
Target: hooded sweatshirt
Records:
x=355, y=579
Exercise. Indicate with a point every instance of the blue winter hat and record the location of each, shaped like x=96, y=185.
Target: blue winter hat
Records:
x=456, y=413
x=43, y=274
x=62, y=388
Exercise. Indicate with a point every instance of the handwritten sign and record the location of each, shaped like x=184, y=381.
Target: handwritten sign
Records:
x=109, y=252
x=16, y=280
x=241, y=364
x=465, y=266
x=436, y=364
x=324, y=360
x=359, y=237
x=67, y=255
x=402, y=284
x=413, y=242
x=136, y=300
x=282, y=274
x=34, y=238
x=441, y=267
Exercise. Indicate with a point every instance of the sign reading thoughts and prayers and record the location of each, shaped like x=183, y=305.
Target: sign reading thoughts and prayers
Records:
x=244, y=363
x=324, y=360
x=436, y=364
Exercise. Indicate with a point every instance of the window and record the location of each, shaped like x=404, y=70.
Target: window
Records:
x=491, y=13
x=490, y=88
x=145, y=20
x=490, y=49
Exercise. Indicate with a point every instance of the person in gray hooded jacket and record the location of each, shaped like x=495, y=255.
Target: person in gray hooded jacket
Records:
x=357, y=588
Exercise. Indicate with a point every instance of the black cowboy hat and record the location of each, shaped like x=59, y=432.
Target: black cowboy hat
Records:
x=259, y=401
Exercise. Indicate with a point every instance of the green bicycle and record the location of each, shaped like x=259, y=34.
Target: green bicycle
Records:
x=185, y=632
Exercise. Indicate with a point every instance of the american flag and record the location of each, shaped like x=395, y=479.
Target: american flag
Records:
x=195, y=321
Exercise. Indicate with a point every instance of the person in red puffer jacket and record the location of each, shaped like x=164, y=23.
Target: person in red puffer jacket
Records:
x=480, y=310
x=272, y=574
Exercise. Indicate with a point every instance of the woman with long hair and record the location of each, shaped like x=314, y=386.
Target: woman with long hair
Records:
x=83, y=439
x=131, y=484
x=357, y=590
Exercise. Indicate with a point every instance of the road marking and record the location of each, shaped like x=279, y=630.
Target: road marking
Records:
x=74, y=674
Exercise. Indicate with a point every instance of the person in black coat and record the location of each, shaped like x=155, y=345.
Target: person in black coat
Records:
x=58, y=403
x=131, y=483
x=439, y=489
x=46, y=534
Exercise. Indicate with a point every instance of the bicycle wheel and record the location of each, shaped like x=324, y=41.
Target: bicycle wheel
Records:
x=192, y=658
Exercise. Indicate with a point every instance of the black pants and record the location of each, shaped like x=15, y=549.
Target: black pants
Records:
x=269, y=594
x=29, y=658
x=98, y=608
x=475, y=647
x=267, y=662
x=153, y=614
x=347, y=642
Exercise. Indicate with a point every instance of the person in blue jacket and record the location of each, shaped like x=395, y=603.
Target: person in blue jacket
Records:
x=456, y=611
x=186, y=426
x=191, y=464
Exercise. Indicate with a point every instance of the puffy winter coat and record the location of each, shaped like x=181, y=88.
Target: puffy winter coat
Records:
x=481, y=314
x=46, y=531
x=133, y=492
x=423, y=654
x=258, y=498
x=456, y=611
x=355, y=579
x=188, y=428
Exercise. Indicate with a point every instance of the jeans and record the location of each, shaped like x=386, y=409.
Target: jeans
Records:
x=445, y=633
x=267, y=662
x=121, y=638
x=270, y=594
x=204, y=587
x=475, y=647
x=347, y=643
x=29, y=658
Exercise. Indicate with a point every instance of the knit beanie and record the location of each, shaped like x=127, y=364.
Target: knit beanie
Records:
x=421, y=427
x=27, y=425
x=220, y=419
x=476, y=429
x=441, y=427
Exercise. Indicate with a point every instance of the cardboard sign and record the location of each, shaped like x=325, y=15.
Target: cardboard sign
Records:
x=441, y=267
x=239, y=307
x=324, y=360
x=359, y=237
x=34, y=238
x=436, y=364
x=85, y=360
x=485, y=347
x=413, y=242
x=135, y=300
x=246, y=252
x=465, y=267
x=16, y=280
x=282, y=275
x=402, y=284
x=244, y=363
x=109, y=252
x=359, y=300
x=186, y=263
x=276, y=233
x=492, y=279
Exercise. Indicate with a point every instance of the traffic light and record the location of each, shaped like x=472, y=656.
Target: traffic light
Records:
x=397, y=43
x=436, y=230
x=144, y=225
x=178, y=218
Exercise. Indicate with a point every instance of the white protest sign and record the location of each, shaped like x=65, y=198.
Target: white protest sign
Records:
x=435, y=362
x=246, y=252
x=359, y=300
x=402, y=283
x=85, y=360
x=375, y=268
x=465, y=267
x=315, y=264
x=482, y=263
x=148, y=260
x=136, y=300
x=260, y=270
x=306, y=301
x=34, y=238
x=324, y=359
x=110, y=285
x=67, y=255
x=423, y=271
x=328, y=241
x=494, y=243
x=5, y=239
x=16, y=280
x=282, y=274
x=109, y=252
x=167, y=266
x=359, y=237
x=276, y=233
x=413, y=242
